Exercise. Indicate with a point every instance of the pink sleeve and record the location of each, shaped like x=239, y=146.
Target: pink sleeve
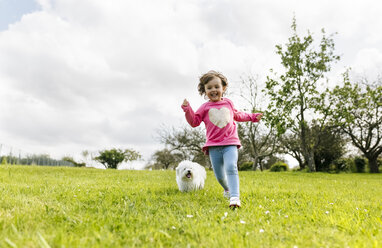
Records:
x=242, y=116
x=194, y=119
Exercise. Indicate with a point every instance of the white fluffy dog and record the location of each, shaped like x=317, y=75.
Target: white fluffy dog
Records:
x=190, y=176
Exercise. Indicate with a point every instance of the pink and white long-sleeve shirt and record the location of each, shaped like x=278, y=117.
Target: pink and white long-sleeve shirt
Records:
x=219, y=117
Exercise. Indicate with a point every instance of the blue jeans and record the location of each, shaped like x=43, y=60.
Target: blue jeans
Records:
x=224, y=163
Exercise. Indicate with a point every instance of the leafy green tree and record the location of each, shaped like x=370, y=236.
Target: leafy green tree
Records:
x=294, y=95
x=165, y=159
x=330, y=147
x=113, y=157
x=357, y=110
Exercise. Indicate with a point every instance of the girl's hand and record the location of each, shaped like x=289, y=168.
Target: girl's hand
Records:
x=185, y=102
x=259, y=117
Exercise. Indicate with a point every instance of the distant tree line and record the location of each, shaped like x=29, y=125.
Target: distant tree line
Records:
x=323, y=128
x=109, y=158
x=35, y=159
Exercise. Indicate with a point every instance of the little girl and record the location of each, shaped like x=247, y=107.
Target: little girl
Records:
x=218, y=115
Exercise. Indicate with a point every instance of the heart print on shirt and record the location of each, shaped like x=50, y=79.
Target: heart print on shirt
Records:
x=219, y=117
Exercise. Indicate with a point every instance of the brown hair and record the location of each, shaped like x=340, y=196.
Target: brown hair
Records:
x=206, y=77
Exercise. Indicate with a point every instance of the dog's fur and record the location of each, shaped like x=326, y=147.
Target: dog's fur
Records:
x=190, y=176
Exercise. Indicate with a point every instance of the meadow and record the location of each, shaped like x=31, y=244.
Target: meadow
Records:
x=82, y=207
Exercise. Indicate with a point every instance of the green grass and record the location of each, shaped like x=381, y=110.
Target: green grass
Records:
x=79, y=207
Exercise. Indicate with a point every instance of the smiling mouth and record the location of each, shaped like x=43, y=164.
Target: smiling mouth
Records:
x=188, y=175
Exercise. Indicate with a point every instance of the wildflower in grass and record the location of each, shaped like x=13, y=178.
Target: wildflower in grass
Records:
x=267, y=212
x=327, y=212
x=286, y=216
x=173, y=227
x=225, y=215
x=189, y=216
x=242, y=221
x=261, y=230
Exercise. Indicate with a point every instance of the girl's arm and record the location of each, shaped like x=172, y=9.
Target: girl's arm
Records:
x=194, y=119
x=242, y=116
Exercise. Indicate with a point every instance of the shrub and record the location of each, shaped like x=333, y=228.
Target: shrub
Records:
x=360, y=164
x=340, y=165
x=4, y=161
x=279, y=166
x=296, y=169
x=246, y=166
x=351, y=165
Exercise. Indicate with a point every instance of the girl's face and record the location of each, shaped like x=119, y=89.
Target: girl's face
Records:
x=214, y=89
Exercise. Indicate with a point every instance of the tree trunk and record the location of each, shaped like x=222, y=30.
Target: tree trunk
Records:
x=254, y=166
x=300, y=163
x=310, y=161
x=307, y=152
x=373, y=164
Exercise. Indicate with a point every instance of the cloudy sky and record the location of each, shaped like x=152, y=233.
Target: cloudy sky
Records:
x=92, y=74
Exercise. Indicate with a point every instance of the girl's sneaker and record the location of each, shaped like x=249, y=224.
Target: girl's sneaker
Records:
x=234, y=202
x=226, y=194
